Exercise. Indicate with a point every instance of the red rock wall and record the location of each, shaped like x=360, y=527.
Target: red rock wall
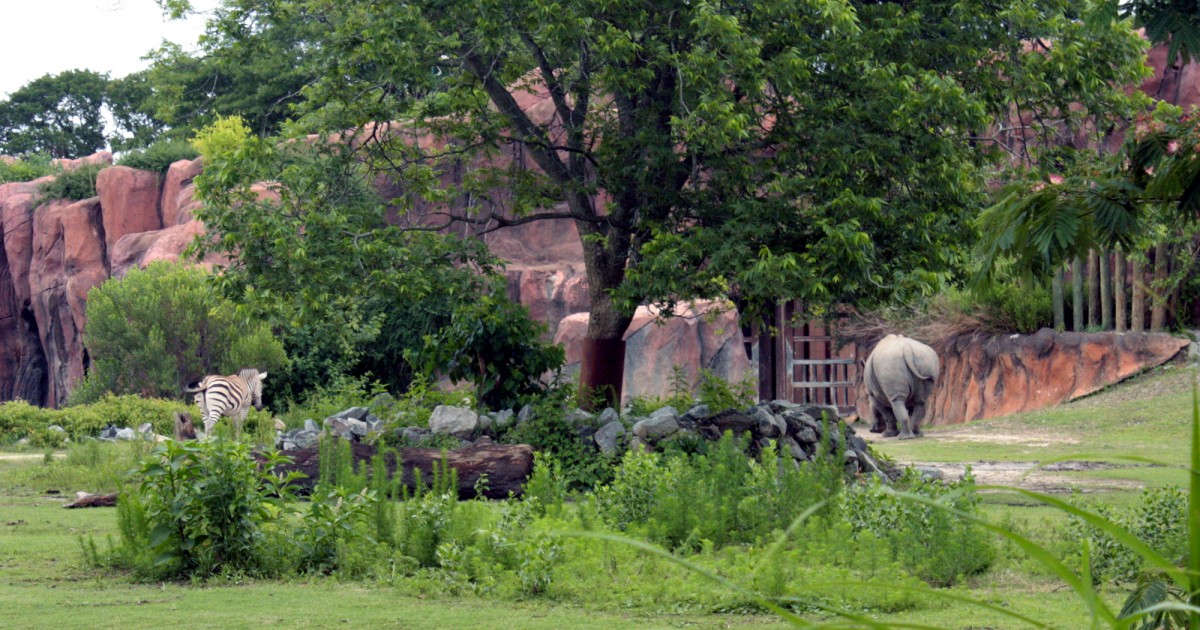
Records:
x=987, y=376
x=54, y=253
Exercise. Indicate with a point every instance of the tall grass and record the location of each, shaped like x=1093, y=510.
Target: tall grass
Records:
x=1170, y=598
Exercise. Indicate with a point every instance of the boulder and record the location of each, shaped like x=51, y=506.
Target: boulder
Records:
x=656, y=427
x=129, y=198
x=705, y=336
x=606, y=438
x=178, y=193
x=457, y=421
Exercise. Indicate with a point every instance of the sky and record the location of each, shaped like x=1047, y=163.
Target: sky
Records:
x=51, y=36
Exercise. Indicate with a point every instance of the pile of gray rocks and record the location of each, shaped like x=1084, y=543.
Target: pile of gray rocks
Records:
x=354, y=424
x=802, y=432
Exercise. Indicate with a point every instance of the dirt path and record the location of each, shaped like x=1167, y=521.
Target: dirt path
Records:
x=1030, y=475
x=22, y=457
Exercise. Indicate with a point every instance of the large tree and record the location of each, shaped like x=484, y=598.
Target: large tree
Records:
x=253, y=60
x=57, y=114
x=826, y=150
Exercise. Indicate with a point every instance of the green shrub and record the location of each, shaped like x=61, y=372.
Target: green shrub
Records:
x=205, y=506
x=336, y=396
x=426, y=516
x=27, y=168
x=719, y=395
x=1159, y=519
x=75, y=184
x=931, y=543
x=493, y=343
x=722, y=496
x=159, y=156
x=1008, y=305
x=155, y=330
x=122, y=411
x=19, y=418
x=548, y=431
x=335, y=522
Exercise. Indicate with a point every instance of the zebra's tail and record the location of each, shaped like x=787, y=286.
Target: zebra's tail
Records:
x=193, y=387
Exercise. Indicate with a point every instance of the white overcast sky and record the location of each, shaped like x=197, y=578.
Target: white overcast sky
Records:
x=50, y=36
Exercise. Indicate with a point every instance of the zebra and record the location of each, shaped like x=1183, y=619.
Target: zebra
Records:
x=227, y=396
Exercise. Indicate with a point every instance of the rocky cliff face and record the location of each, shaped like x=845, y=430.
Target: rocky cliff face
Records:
x=56, y=251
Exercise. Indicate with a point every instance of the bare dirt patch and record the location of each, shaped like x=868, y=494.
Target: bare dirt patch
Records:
x=1048, y=479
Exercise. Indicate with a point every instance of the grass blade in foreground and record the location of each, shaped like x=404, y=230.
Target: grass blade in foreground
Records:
x=1193, y=512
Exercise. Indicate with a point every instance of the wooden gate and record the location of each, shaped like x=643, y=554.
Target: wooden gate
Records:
x=802, y=362
x=816, y=370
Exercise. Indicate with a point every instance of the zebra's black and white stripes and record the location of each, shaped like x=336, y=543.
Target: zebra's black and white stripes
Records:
x=228, y=396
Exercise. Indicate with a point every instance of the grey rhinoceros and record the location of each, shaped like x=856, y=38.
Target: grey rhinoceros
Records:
x=899, y=376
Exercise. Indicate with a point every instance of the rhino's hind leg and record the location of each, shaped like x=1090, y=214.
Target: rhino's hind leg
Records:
x=889, y=422
x=904, y=422
x=878, y=417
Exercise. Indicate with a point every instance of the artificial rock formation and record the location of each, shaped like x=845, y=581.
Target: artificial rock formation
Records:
x=53, y=253
x=987, y=376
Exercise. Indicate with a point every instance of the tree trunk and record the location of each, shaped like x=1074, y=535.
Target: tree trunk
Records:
x=1137, y=306
x=1106, y=305
x=1093, y=289
x=602, y=373
x=1060, y=318
x=1158, y=307
x=1119, y=291
x=507, y=467
x=1077, y=271
x=767, y=359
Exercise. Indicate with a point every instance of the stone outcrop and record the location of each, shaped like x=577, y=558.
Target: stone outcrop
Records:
x=701, y=337
x=987, y=376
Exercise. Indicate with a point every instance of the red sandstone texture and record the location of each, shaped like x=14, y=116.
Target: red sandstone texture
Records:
x=987, y=376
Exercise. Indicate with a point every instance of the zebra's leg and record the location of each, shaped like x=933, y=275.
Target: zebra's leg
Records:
x=239, y=420
x=210, y=421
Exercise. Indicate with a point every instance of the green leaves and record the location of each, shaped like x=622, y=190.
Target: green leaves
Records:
x=493, y=343
x=156, y=329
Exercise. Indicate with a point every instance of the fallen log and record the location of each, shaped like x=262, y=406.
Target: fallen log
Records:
x=85, y=500
x=506, y=466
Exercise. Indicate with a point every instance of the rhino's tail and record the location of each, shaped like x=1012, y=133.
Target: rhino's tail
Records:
x=927, y=370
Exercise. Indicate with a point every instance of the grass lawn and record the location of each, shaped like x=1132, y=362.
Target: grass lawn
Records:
x=45, y=583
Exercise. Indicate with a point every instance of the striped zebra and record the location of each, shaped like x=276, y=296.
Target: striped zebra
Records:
x=228, y=396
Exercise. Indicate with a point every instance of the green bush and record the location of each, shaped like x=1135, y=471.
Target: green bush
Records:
x=159, y=156
x=27, y=168
x=1008, y=305
x=493, y=343
x=75, y=184
x=931, y=543
x=20, y=419
x=1159, y=519
x=722, y=496
x=548, y=431
x=155, y=330
x=339, y=394
x=205, y=506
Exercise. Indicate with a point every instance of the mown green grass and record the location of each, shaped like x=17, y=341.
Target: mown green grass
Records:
x=1147, y=418
x=44, y=581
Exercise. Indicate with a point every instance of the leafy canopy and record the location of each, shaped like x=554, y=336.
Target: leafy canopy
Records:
x=59, y=115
